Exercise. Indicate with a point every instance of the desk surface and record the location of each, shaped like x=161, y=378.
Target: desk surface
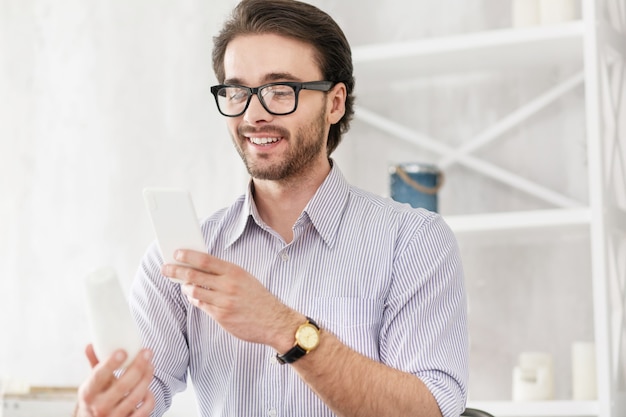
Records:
x=40, y=402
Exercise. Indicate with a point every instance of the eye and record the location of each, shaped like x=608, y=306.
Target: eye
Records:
x=278, y=92
x=236, y=95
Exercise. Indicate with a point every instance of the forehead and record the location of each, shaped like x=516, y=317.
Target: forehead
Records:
x=256, y=59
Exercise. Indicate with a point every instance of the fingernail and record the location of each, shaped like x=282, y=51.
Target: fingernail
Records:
x=178, y=255
x=120, y=355
x=147, y=355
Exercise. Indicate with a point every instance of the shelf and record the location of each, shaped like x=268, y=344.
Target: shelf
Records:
x=519, y=220
x=489, y=50
x=576, y=242
x=40, y=408
x=538, y=408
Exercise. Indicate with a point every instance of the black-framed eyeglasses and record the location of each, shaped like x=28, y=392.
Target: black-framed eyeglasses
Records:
x=279, y=99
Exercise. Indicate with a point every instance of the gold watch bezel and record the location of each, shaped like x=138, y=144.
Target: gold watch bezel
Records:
x=308, y=336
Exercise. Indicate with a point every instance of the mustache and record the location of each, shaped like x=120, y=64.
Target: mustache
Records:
x=273, y=130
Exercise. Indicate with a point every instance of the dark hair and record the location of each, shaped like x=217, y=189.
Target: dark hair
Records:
x=301, y=21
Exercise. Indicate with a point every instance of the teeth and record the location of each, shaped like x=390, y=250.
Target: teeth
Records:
x=263, y=141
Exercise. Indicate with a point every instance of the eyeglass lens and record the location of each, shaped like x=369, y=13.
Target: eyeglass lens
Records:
x=278, y=99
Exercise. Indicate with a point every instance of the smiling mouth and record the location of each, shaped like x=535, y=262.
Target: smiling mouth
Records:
x=263, y=141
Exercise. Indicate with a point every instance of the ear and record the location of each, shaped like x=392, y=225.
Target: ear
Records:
x=337, y=103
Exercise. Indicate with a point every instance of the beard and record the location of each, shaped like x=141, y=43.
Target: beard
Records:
x=307, y=144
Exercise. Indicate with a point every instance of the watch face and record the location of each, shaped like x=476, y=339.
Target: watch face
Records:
x=307, y=337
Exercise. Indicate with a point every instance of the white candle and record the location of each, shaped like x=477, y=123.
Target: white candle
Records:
x=584, y=381
x=557, y=11
x=533, y=379
x=112, y=326
x=525, y=13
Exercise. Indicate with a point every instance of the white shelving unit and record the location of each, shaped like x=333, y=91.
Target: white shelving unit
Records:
x=580, y=217
x=540, y=408
x=597, y=45
x=503, y=48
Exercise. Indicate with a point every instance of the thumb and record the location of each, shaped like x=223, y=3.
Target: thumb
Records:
x=91, y=355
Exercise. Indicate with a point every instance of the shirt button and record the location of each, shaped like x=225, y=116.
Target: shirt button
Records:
x=285, y=256
x=273, y=359
x=272, y=412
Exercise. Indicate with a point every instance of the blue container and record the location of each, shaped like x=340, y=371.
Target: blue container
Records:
x=416, y=184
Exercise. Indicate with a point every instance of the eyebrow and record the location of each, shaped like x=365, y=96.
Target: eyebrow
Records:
x=274, y=76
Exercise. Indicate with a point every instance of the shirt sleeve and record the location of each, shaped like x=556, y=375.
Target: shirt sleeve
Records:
x=425, y=325
x=160, y=312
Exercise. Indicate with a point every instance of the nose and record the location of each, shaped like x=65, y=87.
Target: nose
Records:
x=255, y=112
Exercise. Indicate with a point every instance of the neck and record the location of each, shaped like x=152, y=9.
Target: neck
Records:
x=280, y=203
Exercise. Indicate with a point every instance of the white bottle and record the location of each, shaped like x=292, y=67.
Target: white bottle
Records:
x=112, y=326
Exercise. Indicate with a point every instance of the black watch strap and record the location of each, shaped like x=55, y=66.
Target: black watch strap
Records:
x=291, y=356
x=296, y=352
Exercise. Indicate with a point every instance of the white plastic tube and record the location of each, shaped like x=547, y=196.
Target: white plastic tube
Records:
x=112, y=326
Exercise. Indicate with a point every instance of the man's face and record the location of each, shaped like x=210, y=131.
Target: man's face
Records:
x=277, y=147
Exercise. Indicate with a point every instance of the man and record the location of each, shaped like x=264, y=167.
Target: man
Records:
x=315, y=298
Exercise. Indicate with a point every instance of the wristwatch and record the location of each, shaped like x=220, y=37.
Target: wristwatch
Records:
x=307, y=339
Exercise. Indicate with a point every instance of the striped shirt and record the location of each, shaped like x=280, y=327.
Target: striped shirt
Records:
x=385, y=278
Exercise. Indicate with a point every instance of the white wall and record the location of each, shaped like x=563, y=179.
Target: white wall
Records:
x=99, y=99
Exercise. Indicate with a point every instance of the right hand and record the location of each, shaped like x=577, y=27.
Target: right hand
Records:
x=105, y=395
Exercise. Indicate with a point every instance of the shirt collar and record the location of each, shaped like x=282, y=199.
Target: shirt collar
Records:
x=324, y=210
x=247, y=212
x=327, y=206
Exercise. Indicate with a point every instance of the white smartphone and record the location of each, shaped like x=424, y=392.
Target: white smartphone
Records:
x=174, y=221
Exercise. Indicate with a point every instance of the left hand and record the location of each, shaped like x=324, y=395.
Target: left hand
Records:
x=235, y=299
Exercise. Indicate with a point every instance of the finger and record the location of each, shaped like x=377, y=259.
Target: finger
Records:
x=147, y=405
x=202, y=261
x=127, y=381
x=91, y=355
x=103, y=374
x=133, y=374
x=139, y=396
x=100, y=380
x=186, y=274
x=198, y=295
